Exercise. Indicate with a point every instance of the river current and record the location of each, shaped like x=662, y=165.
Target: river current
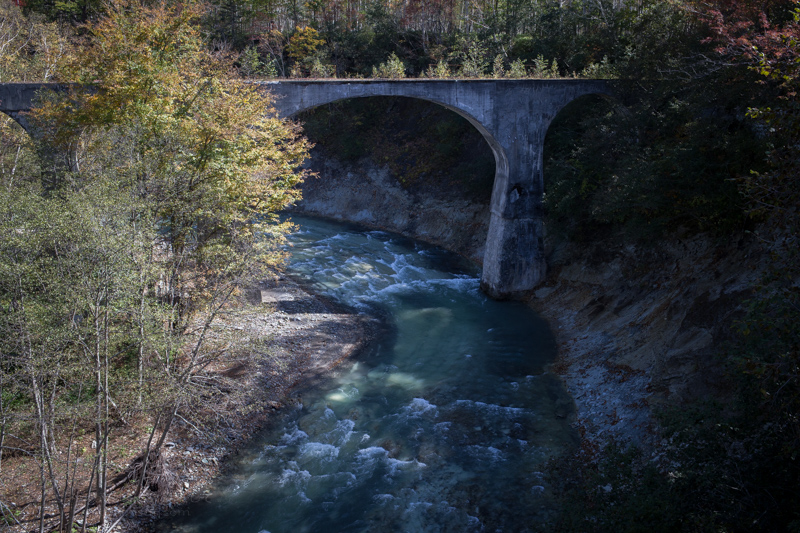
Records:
x=444, y=425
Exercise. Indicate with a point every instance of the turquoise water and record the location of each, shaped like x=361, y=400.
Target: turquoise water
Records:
x=444, y=425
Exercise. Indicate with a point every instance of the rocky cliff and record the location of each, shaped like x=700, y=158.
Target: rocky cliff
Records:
x=366, y=193
x=639, y=326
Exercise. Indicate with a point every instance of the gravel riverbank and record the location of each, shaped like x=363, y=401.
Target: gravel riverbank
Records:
x=306, y=337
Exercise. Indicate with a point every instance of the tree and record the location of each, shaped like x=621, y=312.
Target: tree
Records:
x=766, y=38
x=392, y=68
x=304, y=47
x=66, y=10
x=168, y=208
x=30, y=49
x=209, y=156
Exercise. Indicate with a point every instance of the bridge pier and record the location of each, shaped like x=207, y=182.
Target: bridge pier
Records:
x=514, y=261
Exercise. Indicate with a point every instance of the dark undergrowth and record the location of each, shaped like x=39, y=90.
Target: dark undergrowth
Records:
x=423, y=144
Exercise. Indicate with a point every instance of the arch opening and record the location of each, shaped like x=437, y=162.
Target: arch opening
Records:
x=501, y=162
x=405, y=164
x=19, y=160
x=585, y=143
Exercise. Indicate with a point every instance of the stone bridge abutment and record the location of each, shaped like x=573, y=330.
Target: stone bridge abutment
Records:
x=513, y=117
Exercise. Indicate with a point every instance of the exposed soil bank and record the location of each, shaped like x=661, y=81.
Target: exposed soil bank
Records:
x=637, y=326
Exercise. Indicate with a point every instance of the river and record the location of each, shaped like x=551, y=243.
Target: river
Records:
x=444, y=425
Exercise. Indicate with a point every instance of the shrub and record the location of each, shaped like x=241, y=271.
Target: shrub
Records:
x=392, y=68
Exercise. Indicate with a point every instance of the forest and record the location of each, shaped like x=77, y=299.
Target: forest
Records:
x=135, y=215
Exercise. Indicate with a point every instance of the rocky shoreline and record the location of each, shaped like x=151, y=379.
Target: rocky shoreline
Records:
x=366, y=193
x=639, y=328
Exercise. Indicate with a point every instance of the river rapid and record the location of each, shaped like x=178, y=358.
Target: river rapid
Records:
x=443, y=425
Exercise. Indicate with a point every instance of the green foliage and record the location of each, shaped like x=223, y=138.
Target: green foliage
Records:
x=669, y=159
x=544, y=69
x=392, y=68
x=619, y=492
x=734, y=467
x=523, y=46
x=11, y=517
x=12, y=397
x=117, y=261
x=18, y=159
x=722, y=469
x=66, y=10
x=576, y=35
x=229, y=21
x=306, y=50
x=440, y=70
x=473, y=57
x=304, y=43
x=198, y=134
x=767, y=39
x=318, y=69
x=31, y=50
x=498, y=69
x=517, y=69
x=251, y=65
x=600, y=71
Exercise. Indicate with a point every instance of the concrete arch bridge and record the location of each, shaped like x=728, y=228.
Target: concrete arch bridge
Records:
x=513, y=117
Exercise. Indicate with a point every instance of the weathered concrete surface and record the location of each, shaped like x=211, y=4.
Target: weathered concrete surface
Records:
x=16, y=97
x=513, y=117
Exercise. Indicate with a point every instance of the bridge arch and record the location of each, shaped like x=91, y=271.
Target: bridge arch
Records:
x=18, y=118
x=500, y=158
x=18, y=98
x=605, y=131
x=290, y=101
x=513, y=116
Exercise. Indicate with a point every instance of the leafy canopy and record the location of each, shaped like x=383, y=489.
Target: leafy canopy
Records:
x=207, y=147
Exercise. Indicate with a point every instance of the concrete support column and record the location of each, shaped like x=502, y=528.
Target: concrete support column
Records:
x=514, y=260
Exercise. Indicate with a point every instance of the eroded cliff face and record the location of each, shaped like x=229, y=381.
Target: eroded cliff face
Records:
x=366, y=193
x=638, y=326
